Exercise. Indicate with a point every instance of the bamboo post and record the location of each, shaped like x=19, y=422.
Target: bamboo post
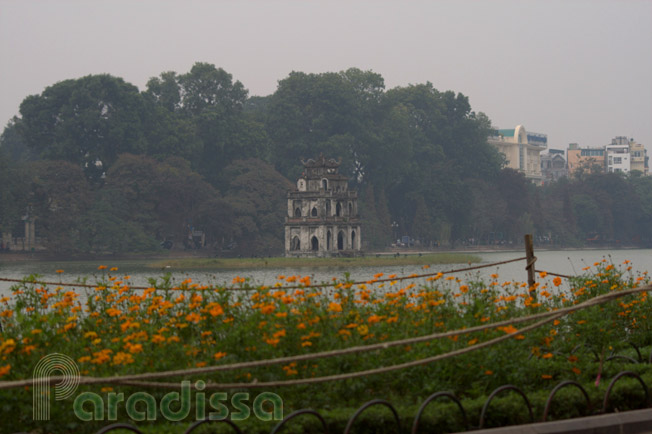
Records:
x=530, y=259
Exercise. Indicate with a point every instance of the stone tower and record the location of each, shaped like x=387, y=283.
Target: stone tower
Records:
x=322, y=218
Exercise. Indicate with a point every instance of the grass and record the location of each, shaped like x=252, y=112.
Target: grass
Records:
x=281, y=262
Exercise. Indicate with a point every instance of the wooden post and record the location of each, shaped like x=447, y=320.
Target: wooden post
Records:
x=530, y=260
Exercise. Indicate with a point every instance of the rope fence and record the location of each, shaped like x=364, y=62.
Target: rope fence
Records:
x=252, y=288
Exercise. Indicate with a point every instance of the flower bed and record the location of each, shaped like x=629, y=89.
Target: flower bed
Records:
x=118, y=330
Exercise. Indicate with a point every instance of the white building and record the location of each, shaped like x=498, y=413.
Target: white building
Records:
x=618, y=158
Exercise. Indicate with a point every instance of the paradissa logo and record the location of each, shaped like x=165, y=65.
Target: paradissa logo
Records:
x=175, y=406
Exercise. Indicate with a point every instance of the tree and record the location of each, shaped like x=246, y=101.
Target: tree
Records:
x=257, y=194
x=59, y=196
x=13, y=145
x=208, y=102
x=162, y=199
x=14, y=192
x=87, y=121
x=329, y=113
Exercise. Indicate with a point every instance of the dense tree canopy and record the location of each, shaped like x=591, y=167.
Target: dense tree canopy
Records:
x=105, y=167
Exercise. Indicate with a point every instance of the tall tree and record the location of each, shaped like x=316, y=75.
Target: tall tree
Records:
x=87, y=121
x=59, y=196
x=257, y=194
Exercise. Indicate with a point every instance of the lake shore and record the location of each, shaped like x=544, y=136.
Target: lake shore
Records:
x=206, y=258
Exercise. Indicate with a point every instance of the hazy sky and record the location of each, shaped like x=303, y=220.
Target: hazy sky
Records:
x=579, y=71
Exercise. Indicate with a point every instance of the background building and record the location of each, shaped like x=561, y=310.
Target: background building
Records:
x=587, y=159
x=617, y=158
x=553, y=165
x=639, y=159
x=322, y=218
x=521, y=150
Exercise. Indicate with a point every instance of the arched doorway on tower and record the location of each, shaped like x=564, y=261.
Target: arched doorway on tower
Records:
x=340, y=240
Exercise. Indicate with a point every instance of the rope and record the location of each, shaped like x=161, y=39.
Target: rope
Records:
x=320, y=285
x=129, y=379
x=554, y=274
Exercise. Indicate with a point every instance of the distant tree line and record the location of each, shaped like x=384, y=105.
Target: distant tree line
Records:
x=104, y=167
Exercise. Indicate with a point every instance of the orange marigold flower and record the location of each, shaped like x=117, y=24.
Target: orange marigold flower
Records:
x=546, y=377
x=219, y=355
x=4, y=370
x=268, y=308
x=576, y=370
x=374, y=319
x=122, y=358
x=334, y=307
x=548, y=356
x=272, y=341
x=508, y=329
x=215, y=309
x=193, y=317
x=543, y=274
x=102, y=267
x=488, y=372
x=556, y=281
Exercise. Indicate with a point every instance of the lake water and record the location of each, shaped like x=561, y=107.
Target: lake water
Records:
x=568, y=262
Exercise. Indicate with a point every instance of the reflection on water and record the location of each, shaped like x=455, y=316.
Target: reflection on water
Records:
x=569, y=262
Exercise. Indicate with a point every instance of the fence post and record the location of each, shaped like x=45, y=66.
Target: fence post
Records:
x=530, y=259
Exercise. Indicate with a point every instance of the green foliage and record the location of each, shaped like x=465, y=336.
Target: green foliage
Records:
x=88, y=122
x=416, y=155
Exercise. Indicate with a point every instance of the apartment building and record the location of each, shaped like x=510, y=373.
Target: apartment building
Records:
x=587, y=159
x=521, y=150
x=622, y=155
x=638, y=158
